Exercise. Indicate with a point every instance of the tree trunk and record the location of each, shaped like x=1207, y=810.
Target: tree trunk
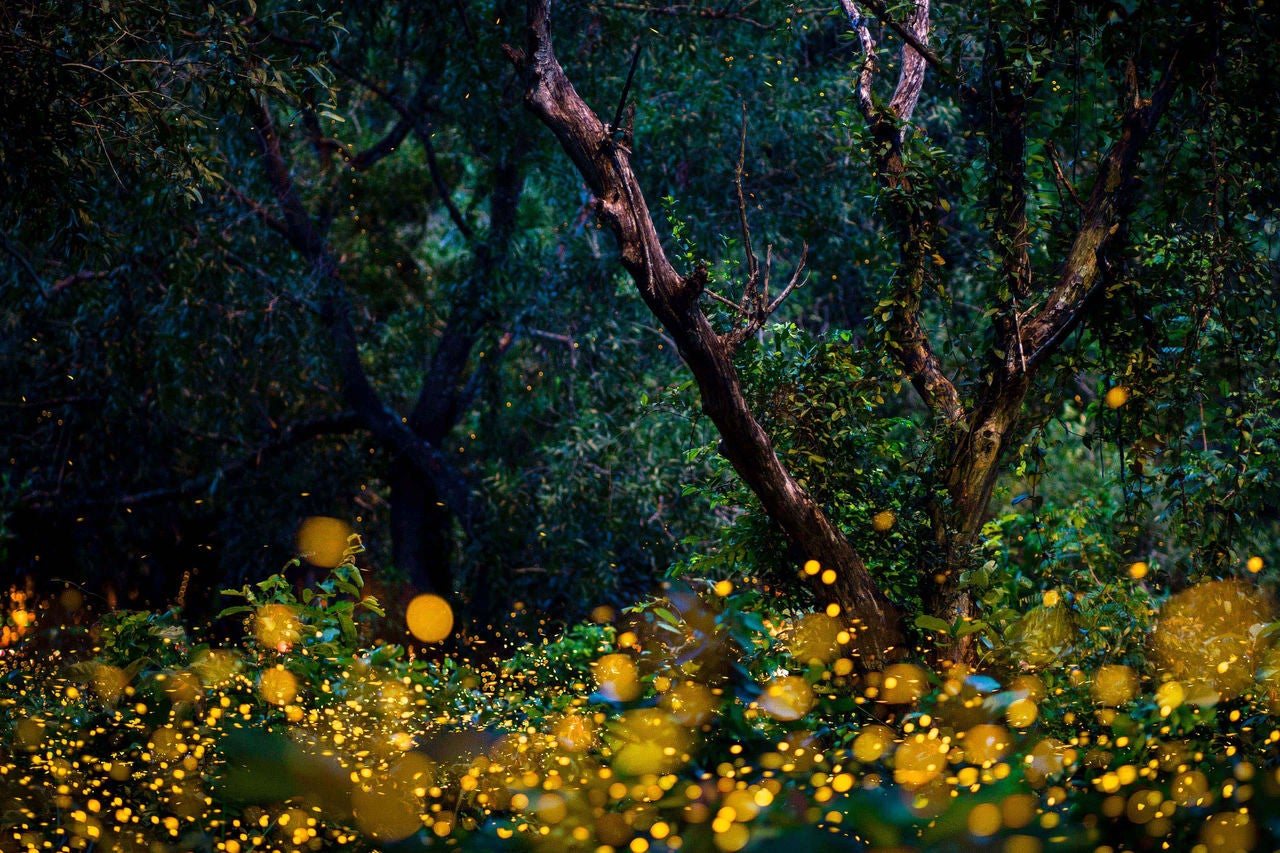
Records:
x=421, y=530
x=970, y=476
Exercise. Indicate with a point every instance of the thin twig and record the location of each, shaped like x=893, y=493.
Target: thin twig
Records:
x=881, y=12
x=692, y=11
x=26, y=264
x=1060, y=177
x=729, y=302
x=258, y=210
x=753, y=264
x=791, y=285
x=626, y=87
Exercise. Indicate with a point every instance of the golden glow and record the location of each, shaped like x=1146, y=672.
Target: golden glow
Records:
x=323, y=541
x=1116, y=397
x=429, y=618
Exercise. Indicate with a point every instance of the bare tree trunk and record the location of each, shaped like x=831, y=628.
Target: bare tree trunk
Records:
x=422, y=543
x=605, y=163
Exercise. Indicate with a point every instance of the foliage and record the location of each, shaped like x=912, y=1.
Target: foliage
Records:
x=716, y=718
x=823, y=402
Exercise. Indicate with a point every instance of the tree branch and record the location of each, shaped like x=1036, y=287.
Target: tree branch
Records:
x=673, y=298
x=388, y=427
x=25, y=264
x=911, y=72
x=1060, y=177
x=692, y=11
x=909, y=341
x=1101, y=219
x=866, y=75
x=295, y=435
x=268, y=219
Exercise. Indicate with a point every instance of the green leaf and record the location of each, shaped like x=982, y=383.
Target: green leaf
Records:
x=932, y=623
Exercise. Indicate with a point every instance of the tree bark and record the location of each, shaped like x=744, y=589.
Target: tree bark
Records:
x=606, y=164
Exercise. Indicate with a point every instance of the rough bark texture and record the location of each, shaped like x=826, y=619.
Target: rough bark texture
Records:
x=673, y=298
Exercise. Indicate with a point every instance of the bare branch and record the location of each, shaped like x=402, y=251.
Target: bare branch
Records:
x=867, y=74
x=911, y=72
x=84, y=275
x=423, y=131
x=24, y=263
x=729, y=303
x=1101, y=219
x=913, y=39
x=626, y=87
x=383, y=147
x=673, y=298
x=753, y=264
x=791, y=285
x=280, y=441
x=1059, y=176
x=762, y=309
x=258, y=210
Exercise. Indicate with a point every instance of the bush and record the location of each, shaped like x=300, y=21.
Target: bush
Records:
x=715, y=714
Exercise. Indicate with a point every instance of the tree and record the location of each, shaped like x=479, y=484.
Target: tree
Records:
x=299, y=266
x=1034, y=296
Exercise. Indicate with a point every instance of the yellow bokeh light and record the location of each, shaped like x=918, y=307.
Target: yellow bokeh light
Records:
x=1021, y=713
x=278, y=686
x=1117, y=397
x=647, y=741
x=986, y=744
x=109, y=681
x=322, y=541
x=787, y=697
x=386, y=814
x=276, y=626
x=691, y=704
x=816, y=637
x=618, y=677
x=1228, y=832
x=429, y=618
x=1254, y=564
x=903, y=683
x=873, y=743
x=984, y=819
x=1114, y=685
x=918, y=761
x=575, y=732
x=883, y=521
x=1207, y=638
x=1170, y=695
x=1138, y=570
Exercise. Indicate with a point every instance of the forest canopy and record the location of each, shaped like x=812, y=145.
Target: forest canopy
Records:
x=878, y=353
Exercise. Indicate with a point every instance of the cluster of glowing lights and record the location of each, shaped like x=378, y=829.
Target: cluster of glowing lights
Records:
x=631, y=760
